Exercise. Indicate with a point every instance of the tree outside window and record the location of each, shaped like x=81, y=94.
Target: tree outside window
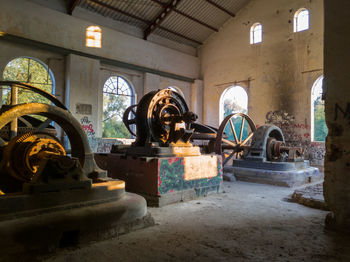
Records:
x=29, y=71
x=117, y=97
x=319, y=128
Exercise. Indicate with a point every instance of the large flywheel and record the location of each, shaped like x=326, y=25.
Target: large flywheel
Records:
x=234, y=134
x=22, y=150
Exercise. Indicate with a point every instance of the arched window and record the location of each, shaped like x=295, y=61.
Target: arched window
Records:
x=233, y=100
x=176, y=89
x=117, y=96
x=301, y=20
x=32, y=71
x=93, y=36
x=319, y=129
x=256, y=33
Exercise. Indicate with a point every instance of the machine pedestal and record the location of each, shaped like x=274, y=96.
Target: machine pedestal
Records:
x=41, y=223
x=287, y=174
x=165, y=180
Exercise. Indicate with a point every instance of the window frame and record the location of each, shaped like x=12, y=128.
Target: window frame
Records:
x=318, y=81
x=222, y=100
x=93, y=36
x=118, y=92
x=41, y=63
x=296, y=21
x=254, y=29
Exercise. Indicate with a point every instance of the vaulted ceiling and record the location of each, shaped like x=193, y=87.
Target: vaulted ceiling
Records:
x=188, y=22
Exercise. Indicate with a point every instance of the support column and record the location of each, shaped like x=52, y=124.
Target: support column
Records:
x=337, y=101
x=196, y=105
x=150, y=82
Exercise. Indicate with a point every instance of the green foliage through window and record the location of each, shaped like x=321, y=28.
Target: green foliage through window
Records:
x=320, y=127
x=117, y=96
x=28, y=71
x=320, y=130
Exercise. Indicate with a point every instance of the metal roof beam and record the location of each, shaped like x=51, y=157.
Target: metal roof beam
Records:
x=221, y=8
x=142, y=20
x=188, y=16
x=72, y=5
x=161, y=17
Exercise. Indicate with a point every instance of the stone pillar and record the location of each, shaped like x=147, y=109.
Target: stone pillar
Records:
x=337, y=101
x=196, y=105
x=83, y=92
x=150, y=82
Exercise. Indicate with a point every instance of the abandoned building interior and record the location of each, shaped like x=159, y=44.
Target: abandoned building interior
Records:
x=174, y=130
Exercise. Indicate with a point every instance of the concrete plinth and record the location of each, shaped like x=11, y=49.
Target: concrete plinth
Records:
x=279, y=174
x=36, y=231
x=165, y=180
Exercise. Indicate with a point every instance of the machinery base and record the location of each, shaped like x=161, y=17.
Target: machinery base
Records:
x=185, y=195
x=29, y=235
x=285, y=178
x=165, y=180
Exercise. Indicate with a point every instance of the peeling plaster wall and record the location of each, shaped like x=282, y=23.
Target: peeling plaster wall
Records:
x=337, y=99
x=277, y=74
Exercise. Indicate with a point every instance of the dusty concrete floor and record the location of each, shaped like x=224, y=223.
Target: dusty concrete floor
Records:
x=250, y=222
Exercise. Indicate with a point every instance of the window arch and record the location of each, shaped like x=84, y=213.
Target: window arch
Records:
x=256, y=33
x=319, y=129
x=233, y=100
x=301, y=20
x=93, y=36
x=31, y=71
x=118, y=95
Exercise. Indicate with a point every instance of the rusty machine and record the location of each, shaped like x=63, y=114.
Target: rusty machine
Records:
x=256, y=154
x=162, y=164
x=63, y=195
x=163, y=125
x=250, y=153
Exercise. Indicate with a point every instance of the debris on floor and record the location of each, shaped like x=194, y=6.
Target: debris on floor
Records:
x=311, y=196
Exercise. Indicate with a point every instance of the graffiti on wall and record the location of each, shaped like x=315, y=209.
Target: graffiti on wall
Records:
x=87, y=126
x=339, y=111
x=297, y=134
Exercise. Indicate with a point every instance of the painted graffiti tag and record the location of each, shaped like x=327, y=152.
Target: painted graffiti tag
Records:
x=339, y=110
x=297, y=134
x=87, y=126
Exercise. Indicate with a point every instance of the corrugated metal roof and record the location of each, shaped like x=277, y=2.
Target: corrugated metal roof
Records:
x=178, y=25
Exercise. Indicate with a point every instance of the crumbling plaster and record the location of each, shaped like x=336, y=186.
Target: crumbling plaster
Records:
x=277, y=74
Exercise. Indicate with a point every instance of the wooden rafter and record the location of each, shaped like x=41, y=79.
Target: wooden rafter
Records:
x=161, y=17
x=73, y=4
x=188, y=16
x=115, y=9
x=221, y=8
